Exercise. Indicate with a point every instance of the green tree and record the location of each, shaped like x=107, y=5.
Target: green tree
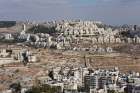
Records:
x=42, y=29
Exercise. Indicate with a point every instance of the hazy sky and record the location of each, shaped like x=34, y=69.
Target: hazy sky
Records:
x=108, y=11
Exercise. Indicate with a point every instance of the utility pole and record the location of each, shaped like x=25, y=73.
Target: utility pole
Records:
x=85, y=61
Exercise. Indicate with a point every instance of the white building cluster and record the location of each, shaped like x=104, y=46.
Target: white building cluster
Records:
x=71, y=35
x=11, y=55
x=41, y=40
x=76, y=31
x=36, y=40
x=85, y=80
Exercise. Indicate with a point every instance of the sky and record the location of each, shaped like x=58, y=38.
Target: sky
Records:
x=107, y=11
